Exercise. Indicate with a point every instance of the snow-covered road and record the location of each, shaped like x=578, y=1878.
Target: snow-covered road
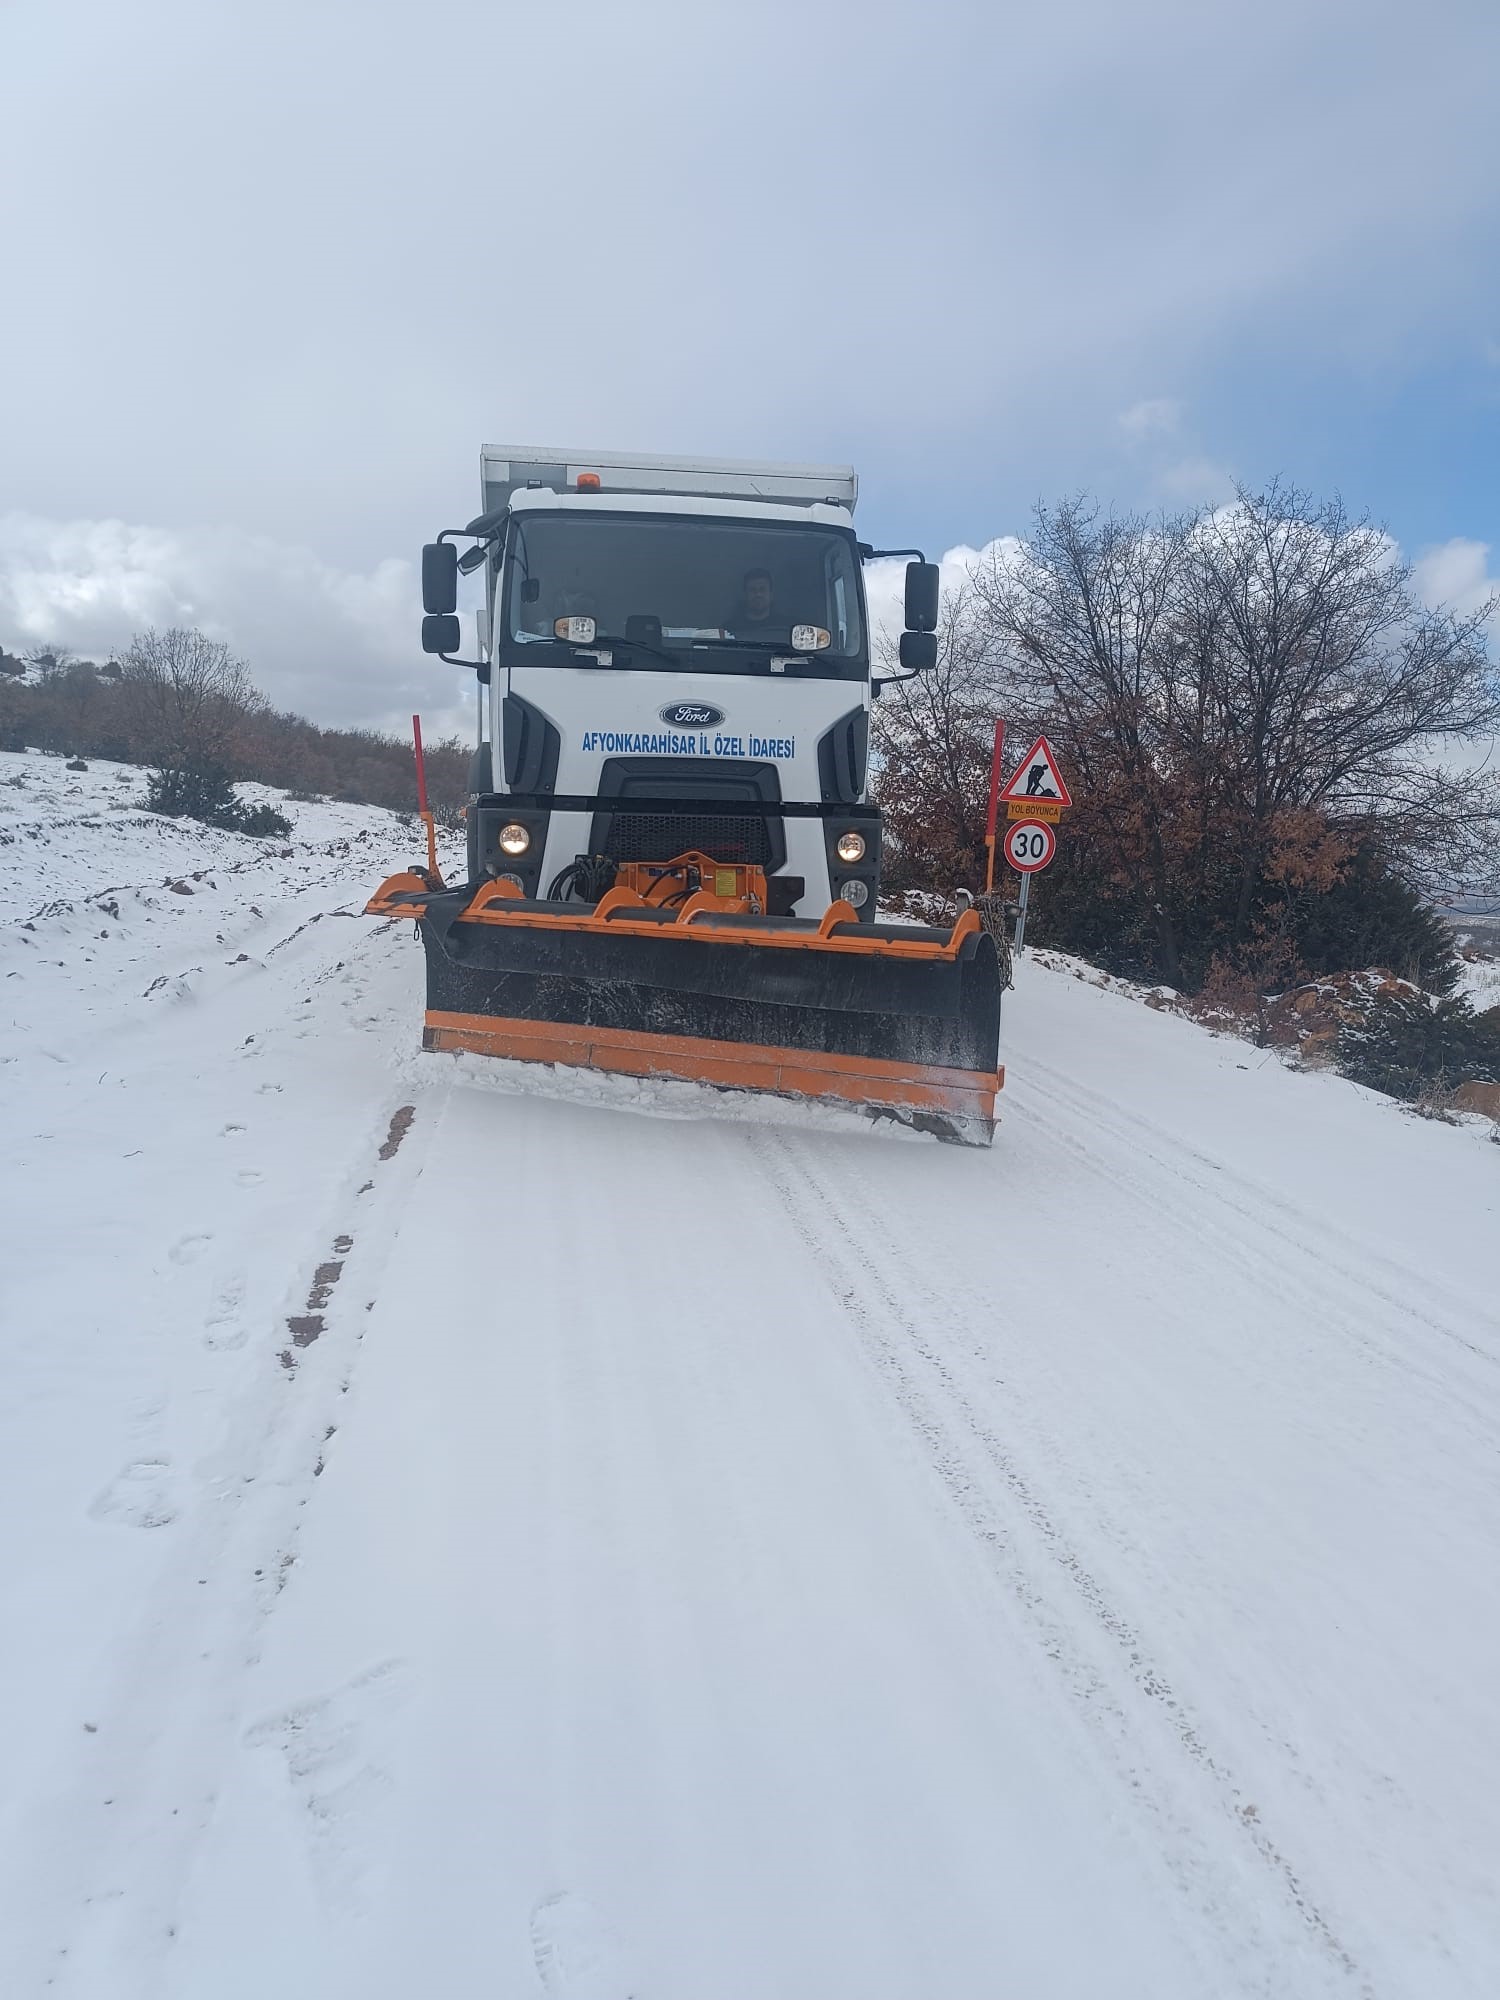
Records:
x=467, y=1541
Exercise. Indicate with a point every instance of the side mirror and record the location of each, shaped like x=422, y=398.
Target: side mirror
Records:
x=440, y=578
x=919, y=649
x=441, y=633
x=921, y=597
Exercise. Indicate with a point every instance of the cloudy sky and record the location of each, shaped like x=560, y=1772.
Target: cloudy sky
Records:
x=274, y=268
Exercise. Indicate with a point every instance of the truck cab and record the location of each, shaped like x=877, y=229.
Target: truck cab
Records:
x=675, y=658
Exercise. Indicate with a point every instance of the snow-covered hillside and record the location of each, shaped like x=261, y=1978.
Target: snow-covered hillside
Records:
x=1479, y=981
x=472, y=1533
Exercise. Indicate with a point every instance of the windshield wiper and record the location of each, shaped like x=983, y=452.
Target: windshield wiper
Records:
x=775, y=650
x=758, y=646
x=611, y=639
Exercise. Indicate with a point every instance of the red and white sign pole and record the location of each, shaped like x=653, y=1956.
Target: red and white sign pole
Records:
x=416, y=744
x=991, y=822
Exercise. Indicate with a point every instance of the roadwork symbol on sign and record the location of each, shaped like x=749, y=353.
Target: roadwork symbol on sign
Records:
x=1029, y=844
x=1037, y=779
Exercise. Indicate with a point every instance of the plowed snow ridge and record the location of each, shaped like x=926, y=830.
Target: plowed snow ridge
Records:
x=590, y=1540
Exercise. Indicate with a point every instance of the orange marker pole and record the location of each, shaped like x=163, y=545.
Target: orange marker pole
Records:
x=989, y=830
x=422, y=808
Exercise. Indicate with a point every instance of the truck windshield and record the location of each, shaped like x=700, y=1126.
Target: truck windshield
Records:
x=692, y=588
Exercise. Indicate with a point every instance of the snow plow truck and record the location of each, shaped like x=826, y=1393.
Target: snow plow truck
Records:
x=673, y=864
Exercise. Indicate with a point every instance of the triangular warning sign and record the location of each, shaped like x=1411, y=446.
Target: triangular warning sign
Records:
x=1037, y=777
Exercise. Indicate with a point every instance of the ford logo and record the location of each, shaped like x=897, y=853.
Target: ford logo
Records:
x=692, y=715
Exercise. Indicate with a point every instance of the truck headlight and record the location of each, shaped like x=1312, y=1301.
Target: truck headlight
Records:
x=856, y=894
x=851, y=847
x=515, y=838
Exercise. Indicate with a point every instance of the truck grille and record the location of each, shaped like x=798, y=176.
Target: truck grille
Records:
x=658, y=836
x=650, y=808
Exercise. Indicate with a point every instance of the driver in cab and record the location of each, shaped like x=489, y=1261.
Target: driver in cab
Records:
x=755, y=615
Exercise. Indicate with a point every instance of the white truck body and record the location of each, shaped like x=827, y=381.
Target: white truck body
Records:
x=711, y=711
x=673, y=865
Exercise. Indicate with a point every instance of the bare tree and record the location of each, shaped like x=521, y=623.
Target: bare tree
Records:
x=49, y=659
x=76, y=694
x=1248, y=696
x=1336, y=689
x=1085, y=617
x=191, y=698
x=932, y=735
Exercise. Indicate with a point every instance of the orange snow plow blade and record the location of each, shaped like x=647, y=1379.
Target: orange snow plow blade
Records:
x=897, y=1020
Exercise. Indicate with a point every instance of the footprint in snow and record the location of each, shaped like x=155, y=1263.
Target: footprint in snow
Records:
x=189, y=1249
x=249, y=1177
x=337, y=1779
x=140, y=1496
x=577, y=1955
x=223, y=1328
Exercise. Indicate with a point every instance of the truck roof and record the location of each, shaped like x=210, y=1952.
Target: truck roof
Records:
x=505, y=469
x=706, y=506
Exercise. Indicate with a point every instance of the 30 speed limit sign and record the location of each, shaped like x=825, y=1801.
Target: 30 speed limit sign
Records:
x=1029, y=844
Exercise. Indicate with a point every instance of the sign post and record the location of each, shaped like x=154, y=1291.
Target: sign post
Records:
x=1035, y=800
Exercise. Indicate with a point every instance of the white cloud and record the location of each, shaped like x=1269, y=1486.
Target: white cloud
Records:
x=300, y=381
x=1176, y=471
x=1455, y=575
x=1196, y=481
x=1154, y=418
x=885, y=582
x=337, y=645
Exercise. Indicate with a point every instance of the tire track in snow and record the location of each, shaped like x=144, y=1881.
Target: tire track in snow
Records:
x=951, y=1431
x=1272, y=1213
x=1396, y=1296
